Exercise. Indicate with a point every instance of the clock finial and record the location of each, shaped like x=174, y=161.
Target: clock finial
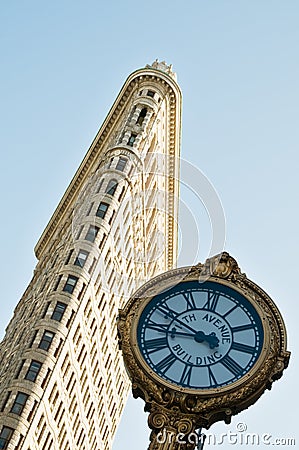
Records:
x=222, y=265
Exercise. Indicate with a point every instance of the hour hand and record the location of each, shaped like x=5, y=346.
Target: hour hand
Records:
x=211, y=338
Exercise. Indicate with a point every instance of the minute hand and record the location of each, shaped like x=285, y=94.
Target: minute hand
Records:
x=174, y=333
x=186, y=326
x=171, y=313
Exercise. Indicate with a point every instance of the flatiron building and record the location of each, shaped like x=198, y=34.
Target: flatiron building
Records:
x=62, y=381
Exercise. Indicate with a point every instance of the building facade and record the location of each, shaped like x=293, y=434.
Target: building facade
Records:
x=62, y=381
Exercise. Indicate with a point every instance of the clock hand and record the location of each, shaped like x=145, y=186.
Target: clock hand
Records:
x=198, y=336
x=173, y=332
x=185, y=325
x=211, y=338
x=170, y=314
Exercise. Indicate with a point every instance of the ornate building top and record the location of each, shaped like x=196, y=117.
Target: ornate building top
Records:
x=162, y=74
x=163, y=67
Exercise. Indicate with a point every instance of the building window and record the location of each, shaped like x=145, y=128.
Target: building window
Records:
x=58, y=311
x=81, y=258
x=45, y=379
x=58, y=347
x=21, y=440
x=79, y=232
x=54, y=261
x=102, y=241
x=20, y=368
x=141, y=116
x=57, y=283
x=111, y=187
x=90, y=270
x=92, y=233
x=69, y=256
x=33, y=338
x=44, y=285
x=46, y=340
x=5, y=401
x=30, y=415
x=89, y=209
x=5, y=436
x=102, y=209
x=111, y=218
x=121, y=194
x=70, y=318
x=70, y=284
x=100, y=185
x=19, y=403
x=121, y=164
x=82, y=291
x=33, y=370
x=132, y=139
x=150, y=94
x=45, y=309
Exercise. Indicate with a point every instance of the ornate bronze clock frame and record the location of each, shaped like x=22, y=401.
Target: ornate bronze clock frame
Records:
x=200, y=344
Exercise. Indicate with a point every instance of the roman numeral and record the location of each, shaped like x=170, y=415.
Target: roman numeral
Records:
x=161, y=327
x=231, y=365
x=248, y=326
x=212, y=378
x=243, y=348
x=188, y=296
x=166, y=363
x=211, y=303
x=154, y=345
x=186, y=375
x=168, y=312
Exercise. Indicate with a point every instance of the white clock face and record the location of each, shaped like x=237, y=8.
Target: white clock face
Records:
x=200, y=335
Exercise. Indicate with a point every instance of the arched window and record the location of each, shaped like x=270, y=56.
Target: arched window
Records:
x=121, y=163
x=141, y=116
x=111, y=187
x=102, y=209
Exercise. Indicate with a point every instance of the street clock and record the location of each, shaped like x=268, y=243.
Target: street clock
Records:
x=201, y=344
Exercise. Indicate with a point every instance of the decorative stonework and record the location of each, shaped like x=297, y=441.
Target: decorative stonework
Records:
x=163, y=67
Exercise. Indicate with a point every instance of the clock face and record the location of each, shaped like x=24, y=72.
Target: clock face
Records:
x=200, y=335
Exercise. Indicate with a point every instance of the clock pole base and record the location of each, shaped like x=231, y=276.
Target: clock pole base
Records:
x=173, y=431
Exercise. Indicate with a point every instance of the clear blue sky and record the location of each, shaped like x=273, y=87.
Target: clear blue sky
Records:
x=62, y=64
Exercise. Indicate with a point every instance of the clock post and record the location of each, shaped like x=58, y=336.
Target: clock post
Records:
x=200, y=344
